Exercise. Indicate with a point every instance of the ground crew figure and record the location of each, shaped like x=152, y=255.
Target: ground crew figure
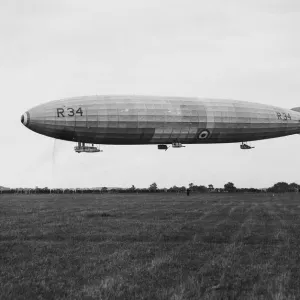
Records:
x=188, y=192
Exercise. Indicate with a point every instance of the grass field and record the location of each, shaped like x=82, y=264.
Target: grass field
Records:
x=150, y=246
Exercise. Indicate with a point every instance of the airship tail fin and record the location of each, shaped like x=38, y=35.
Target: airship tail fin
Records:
x=296, y=109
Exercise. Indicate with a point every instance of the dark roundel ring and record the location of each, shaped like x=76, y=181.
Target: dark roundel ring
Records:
x=204, y=134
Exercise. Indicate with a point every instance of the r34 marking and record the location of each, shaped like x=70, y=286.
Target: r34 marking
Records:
x=283, y=116
x=69, y=111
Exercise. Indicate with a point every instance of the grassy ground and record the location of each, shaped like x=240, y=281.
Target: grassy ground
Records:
x=152, y=246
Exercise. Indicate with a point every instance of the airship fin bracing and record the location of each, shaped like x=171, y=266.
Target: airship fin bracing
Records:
x=136, y=120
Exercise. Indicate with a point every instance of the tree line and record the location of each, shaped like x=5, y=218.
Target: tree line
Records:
x=280, y=187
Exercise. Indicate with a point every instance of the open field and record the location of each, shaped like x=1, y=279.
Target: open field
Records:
x=150, y=246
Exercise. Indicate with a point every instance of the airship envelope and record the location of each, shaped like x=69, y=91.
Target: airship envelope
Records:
x=132, y=120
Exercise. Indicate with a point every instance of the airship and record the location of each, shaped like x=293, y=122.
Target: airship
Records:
x=161, y=121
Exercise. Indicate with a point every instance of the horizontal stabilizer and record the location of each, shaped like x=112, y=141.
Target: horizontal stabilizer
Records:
x=296, y=109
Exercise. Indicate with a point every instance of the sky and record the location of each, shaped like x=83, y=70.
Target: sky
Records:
x=244, y=50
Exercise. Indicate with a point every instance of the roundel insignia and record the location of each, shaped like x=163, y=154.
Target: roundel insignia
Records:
x=204, y=134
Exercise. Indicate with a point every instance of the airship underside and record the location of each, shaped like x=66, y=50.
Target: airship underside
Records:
x=130, y=120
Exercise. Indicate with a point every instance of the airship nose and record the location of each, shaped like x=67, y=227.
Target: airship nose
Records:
x=25, y=119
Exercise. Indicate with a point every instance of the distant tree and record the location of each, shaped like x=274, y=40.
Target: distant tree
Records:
x=191, y=186
x=46, y=190
x=153, y=187
x=104, y=190
x=294, y=187
x=211, y=188
x=177, y=189
x=202, y=189
x=182, y=189
x=279, y=187
x=229, y=187
x=132, y=189
x=174, y=188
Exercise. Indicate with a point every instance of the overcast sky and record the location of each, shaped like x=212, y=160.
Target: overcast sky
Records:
x=244, y=50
